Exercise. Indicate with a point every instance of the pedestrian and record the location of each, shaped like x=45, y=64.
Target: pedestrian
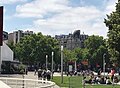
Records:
x=43, y=74
x=48, y=74
x=119, y=71
x=35, y=71
x=112, y=74
x=99, y=71
x=39, y=74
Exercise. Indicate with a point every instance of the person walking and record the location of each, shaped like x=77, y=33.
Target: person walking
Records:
x=112, y=74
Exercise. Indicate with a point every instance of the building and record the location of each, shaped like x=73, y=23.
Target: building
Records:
x=6, y=52
x=72, y=41
x=17, y=35
x=5, y=35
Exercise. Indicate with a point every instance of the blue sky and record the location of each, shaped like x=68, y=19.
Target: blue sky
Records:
x=53, y=17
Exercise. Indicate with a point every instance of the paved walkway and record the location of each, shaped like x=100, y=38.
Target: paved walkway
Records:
x=30, y=75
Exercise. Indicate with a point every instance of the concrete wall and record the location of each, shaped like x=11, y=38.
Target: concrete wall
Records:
x=6, y=53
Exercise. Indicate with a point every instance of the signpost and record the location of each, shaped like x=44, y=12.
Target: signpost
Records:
x=1, y=33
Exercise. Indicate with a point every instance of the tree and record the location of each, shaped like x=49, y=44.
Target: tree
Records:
x=69, y=55
x=33, y=49
x=113, y=23
x=78, y=52
x=95, y=48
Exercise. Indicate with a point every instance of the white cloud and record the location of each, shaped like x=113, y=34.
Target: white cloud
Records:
x=110, y=6
x=39, y=8
x=76, y=18
x=88, y=19
x=10, y=1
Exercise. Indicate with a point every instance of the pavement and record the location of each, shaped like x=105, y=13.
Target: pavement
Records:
x=30, y=75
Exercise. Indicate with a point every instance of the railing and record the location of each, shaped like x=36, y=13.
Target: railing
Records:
x=27, y=83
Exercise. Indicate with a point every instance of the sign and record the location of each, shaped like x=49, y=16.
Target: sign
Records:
x=1, y=25
x=70, y=68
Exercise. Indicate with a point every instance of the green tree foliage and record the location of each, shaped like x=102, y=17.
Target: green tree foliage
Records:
x=33, y=48
x=95, y=48
x=113, y=23
x=69, y=55
x=78, y=52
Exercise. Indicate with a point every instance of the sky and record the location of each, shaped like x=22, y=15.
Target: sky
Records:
x=56, y=17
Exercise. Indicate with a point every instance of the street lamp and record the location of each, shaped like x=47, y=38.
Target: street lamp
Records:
x=61, y=64
x=52, y=64
x=46, y=61
x=104, y=63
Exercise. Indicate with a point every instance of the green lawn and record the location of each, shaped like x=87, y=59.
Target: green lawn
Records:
x=76, y=82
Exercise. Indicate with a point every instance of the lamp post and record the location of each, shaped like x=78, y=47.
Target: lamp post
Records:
x=104, y=63
x=75, y=66
x=61, y=64
x=52, y=64
x=46, y=61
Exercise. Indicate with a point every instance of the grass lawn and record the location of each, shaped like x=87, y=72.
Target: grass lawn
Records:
x=76, y=82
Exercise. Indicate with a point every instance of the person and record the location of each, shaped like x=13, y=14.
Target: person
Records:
x=44, y=74
x=108, y=81
x=116, y=80
x=112, y=74
x=39, y=73
x=99, y=71
x=119, y=71
x=83, y=81
x=26, y=70
x=35, y=72
x=48, y=75
x=89, y=81
x=75, y=73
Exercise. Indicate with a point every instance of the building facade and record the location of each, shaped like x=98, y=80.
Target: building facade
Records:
x=17, y=35
x=5, y=35
x=72, y=41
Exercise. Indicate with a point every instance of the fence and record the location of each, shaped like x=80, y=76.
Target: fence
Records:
x=27, y=83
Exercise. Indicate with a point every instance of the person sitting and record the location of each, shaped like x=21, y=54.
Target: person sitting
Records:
x=116, y=80
x=102, y=81
x=75, y=73
x=98, y=79
x=108, y=81
x=89, y=81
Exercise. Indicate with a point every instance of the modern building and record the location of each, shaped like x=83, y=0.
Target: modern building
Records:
x=6, y=52
x=72, y=41
x=17, y=35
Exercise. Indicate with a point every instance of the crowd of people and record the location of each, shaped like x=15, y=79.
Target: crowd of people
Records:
x=90, y=78
x=43, y=74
